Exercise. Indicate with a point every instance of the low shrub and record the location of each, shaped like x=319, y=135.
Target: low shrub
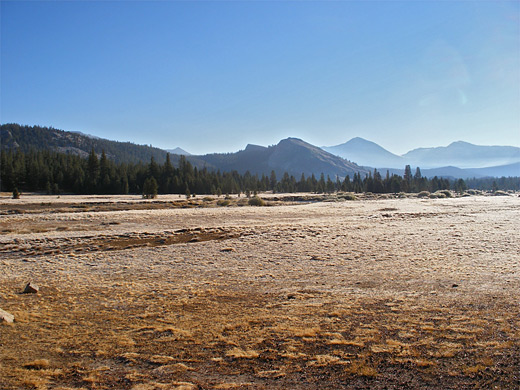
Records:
x=256, y=201
x=423, y=194
x=242, y=202
x=348, y=197
x=223, y=202
x=500, y=193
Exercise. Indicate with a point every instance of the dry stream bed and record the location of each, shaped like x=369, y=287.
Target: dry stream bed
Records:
x=368, y=294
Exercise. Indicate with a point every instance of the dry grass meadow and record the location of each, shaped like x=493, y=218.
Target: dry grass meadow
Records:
x=332, y=294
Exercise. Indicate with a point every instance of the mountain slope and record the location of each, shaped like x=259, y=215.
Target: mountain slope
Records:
x=510, y=170
x=291, y=155
x=463, y=155
x=13, y=136
x=366, y=153
x=25, y=138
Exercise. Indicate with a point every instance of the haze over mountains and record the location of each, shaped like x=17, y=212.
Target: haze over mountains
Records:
x=458, y=154
x=291, y=155
x=366, y=153
x=464, y=155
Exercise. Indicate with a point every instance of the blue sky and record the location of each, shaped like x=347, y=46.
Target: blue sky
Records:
x=214, y=76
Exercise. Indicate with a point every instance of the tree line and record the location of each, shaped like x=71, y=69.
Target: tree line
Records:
x=54, y=173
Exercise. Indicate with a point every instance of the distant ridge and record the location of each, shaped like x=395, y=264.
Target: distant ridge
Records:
x=368, y=153
x=255, y=148
x=450, y=172
x=464, y=155
x=178, y=151
x=291, y=155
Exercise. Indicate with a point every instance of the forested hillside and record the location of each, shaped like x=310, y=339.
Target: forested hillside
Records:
x=291, y=155
x=27, y=138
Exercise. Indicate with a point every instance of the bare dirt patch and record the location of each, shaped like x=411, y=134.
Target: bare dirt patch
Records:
x=397, y=293
x=106, y=242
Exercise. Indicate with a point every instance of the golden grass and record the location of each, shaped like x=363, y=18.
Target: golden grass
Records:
x=239, y=353
x=38, y=364
x=264, y=315
x=361, y=368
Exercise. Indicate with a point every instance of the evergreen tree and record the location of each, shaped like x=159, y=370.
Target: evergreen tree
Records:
x=167, y=176
x=407, y=179
x=92, y=171
x=150, y=188
x=272, y=181
x=104, y=175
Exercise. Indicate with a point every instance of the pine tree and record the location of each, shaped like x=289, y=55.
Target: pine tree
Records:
x=92, y=171
x=150, y=188
x=272, y=181
x=104, y=174
x=407, y=179
x=16, y=193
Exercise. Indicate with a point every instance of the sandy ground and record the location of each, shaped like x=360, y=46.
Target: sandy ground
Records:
x=372, y=294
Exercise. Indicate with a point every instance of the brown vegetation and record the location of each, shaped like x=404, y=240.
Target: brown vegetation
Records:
x=398, y=293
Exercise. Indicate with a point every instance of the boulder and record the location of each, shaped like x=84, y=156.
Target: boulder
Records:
x=5, y=316
x=31, y=288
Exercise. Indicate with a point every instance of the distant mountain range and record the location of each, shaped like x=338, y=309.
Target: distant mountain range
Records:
x=291, y=155
x=458, y=154
x=459, y=159
x=464, y=155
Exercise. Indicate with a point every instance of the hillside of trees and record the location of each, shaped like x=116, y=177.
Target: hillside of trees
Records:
x=29, y=138
x=54, y=172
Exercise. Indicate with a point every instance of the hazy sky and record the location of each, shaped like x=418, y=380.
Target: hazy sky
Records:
x=214, y=76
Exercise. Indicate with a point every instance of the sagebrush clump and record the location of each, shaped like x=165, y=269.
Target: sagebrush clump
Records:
x=256, y=201
x=223, y=202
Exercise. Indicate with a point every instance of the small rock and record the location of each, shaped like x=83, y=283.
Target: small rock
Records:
x=161, y=359
x=31, y=288
x=172, y=369
x=39, y=364
x=454, y=285
x=5, y=316
x=228, y=249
